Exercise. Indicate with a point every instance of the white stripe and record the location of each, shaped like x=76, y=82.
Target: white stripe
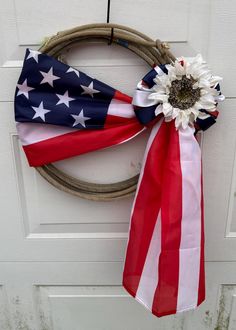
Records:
x=141, y=98
x=121, y=109
x=31, y=132
x=149, y=278
x=189, y=262
x=36, y=132
x=142, y=93
x=152, y=136
x=159, y=71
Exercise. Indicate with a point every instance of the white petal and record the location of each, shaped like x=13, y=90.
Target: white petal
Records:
x=178, y=122
x=198, y=59
x=158, y=88
x=215, y=80
x=198, y=105
x=175, y=112
x=195, y=112
x=208, y=107
x=179, y=69
x=185, y=122
x=204, y=83
x=159, y=109
x=158, y=97
x=214, y=92
x=168, y=118
x=163, y=80
x=182, y=120
x=167, y=109
x=212, y=109
x=207, y=98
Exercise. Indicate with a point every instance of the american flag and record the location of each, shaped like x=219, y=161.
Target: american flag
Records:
x=61, y=112
x=53, y=99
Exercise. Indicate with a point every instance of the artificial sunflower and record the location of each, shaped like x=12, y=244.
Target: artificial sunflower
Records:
x=186, y=92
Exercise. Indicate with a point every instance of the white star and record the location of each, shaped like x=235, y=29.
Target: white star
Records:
x=33, y=54
x=40, y=111
x=24, y=89
x=73, y=70
x=89, y=89
x=64, y=99
x=80, y=119
x=48, y=77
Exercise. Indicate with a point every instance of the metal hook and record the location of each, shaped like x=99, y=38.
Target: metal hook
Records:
x=108, y=10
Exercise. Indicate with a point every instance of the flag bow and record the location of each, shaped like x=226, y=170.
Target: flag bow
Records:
x=61, y=112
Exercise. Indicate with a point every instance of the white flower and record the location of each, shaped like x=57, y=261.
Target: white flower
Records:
x=187, y=88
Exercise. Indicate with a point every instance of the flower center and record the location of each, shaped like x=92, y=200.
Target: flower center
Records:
x=182, y=94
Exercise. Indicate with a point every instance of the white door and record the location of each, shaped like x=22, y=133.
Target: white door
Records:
x=61, y=257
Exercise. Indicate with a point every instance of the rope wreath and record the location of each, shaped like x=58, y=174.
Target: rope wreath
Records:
x=152, y=52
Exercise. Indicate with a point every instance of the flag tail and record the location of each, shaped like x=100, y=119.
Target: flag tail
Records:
x=164, y=266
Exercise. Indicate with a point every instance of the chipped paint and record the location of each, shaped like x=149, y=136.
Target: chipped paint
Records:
x=208, y=319
x=225, y=304
x=43, y=321
x=19, y=318
x=5, y=319
x=42, y=308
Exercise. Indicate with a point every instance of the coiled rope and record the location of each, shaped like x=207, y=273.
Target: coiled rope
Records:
x=152, y=52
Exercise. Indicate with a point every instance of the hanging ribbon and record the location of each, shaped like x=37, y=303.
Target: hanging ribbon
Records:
x=164, y=267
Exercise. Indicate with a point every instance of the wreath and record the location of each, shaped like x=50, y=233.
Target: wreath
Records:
x=61, y=112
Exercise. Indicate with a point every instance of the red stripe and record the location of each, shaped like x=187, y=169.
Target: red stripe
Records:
x=79, y=142
x=201, y=286
x=122, y=97
x=214, y=113
x=146, y=209
x=112, y=121
x=165, y=298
